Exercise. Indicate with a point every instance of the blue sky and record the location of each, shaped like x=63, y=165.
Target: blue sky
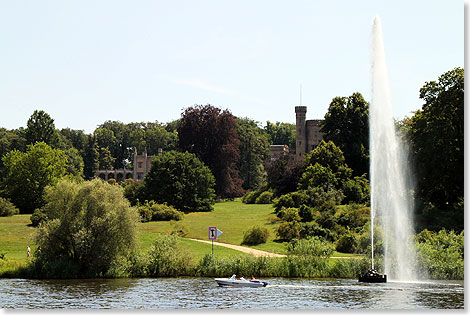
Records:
x=85, y=62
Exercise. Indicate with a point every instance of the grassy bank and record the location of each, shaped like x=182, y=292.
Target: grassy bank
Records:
x=233, y=218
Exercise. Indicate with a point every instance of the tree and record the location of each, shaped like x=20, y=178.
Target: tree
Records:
x=122, y=150
x=317, y=176
x=10, y=140
x=437, y=140
x=254, y=150
x=181, y=180
x=40, y=128
x=328, y=155
x=105, y=138
x=327, y=173
x=91, y=157
x=157, y=137
x=89, y=227
x=105, y=159
x=211, y=134
x=347, y=125
x=281, y=133
x=74, y=164
x=283, y=174
x=76, y=138
x=27, y=174
x=137, y=140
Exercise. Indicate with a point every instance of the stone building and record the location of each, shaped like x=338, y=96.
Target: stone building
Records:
x=277, y=150
x=308, y=134
x=142, y=165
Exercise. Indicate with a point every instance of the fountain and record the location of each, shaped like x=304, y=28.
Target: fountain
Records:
x=391, y=202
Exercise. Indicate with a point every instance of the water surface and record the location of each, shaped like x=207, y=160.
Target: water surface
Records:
x=201, y=293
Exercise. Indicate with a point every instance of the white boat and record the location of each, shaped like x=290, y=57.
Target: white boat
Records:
x=242, y=282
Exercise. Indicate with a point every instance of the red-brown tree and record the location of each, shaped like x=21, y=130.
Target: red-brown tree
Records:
x=211, y=134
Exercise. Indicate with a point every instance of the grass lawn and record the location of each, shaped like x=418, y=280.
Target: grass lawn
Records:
x=198, y=249
x=16, y=236
x=233, y=218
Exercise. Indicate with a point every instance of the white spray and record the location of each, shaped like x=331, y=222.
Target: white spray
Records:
x=391, y=203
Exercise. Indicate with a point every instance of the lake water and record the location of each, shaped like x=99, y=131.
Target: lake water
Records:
x=202, y=293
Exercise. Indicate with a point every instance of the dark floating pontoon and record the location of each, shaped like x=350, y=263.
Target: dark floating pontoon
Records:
x=373, y=276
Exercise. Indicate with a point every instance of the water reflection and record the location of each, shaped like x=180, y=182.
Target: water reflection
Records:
x=200, y=293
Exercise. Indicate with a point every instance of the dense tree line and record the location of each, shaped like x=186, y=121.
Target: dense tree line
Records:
x=436, y=135
x=236, y=151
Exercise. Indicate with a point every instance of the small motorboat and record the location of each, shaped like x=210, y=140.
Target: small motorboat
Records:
x=373, y=276
x=241, y=282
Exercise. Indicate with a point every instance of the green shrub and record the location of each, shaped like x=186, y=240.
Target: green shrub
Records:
x=7, y=209
x=363, y=240
x=312, y=246
x=151, y=211
x=316, y=196
x=178, y=229
x=347, y=243
x=309, y=229
x=164, y=212
x=310, y=256
x=168, y=258
x=89, y=226
x=134, y=191
x=349, y=268
x=356, y=190
x=145, y=212
x=289, y=214
x=112, y=181
x=288, y=230
x=291, y=200
x=441, y=254
x=255, y=235
x=38, y=217
x=327, y=218
x=250, y=197
x=265, y=198
x=306, y=213
x=353, y=216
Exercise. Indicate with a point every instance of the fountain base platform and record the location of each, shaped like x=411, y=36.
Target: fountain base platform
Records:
x=373, y=276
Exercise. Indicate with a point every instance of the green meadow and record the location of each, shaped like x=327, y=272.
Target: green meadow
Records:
x=233, y=218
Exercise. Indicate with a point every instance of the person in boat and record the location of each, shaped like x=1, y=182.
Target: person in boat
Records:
x=253, y=278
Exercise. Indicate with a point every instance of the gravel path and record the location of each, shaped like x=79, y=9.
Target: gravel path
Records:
x=254, y=252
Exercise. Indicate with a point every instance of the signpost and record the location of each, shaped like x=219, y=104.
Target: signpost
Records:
x=214, y=233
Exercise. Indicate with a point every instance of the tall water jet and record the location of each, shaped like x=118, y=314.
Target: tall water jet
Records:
x=391, y=203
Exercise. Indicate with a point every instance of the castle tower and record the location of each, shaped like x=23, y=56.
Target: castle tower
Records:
x=301, y=132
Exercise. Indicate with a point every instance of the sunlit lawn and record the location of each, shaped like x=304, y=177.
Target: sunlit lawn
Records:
x=16, y=236
x=233, y=218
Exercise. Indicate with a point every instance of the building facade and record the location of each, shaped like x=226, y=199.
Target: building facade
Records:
x=277, y=150
x=307, y=134
x=142, y=165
